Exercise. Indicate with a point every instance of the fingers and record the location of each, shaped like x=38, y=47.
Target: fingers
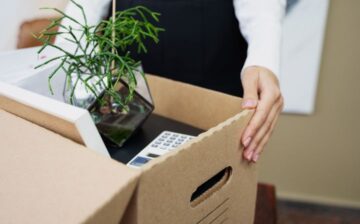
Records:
x=251, y=96
x=265, y=132
x=261, y=91
x=265, y=140
x=250, y=86
x=262, y=111
x=249, y=151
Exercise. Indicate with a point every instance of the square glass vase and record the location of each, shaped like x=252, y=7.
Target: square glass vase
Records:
x=115, y=123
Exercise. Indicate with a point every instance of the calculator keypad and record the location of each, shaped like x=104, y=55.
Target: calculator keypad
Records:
x=162, y=144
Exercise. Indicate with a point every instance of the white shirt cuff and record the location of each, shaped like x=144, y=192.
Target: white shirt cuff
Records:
x=264, y=48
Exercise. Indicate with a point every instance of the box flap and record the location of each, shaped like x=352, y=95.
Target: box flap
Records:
x=177, y=177
x=190, y=104
x=69, y=121
x=46, y=178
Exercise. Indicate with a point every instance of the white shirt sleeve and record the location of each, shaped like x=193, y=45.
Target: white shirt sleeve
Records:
x=261, y=24
x=95, y=11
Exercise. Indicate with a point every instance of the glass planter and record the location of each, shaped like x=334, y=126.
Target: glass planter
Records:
x=114, y=122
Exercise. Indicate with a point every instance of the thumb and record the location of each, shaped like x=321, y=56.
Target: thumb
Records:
x=250, y=79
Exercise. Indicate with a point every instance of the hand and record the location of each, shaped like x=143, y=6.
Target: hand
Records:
x=262, y=93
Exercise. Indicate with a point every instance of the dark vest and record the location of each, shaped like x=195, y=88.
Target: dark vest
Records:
x=202, y=44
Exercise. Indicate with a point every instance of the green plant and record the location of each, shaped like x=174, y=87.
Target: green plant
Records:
x=102, y=51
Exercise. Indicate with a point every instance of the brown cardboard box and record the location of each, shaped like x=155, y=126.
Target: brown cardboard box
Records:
x=49, y=178
x=46, y=178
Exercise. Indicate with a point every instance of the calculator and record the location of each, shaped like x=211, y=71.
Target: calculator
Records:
x=163, y=143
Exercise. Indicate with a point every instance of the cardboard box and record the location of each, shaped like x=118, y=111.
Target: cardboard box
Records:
x=46, y=178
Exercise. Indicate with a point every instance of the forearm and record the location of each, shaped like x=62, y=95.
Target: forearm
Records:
x=261, y=25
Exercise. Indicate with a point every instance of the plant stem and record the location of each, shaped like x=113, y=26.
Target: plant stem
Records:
x=106, y=53
x=113, y=30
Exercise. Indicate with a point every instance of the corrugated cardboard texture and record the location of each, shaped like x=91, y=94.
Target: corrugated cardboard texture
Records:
x=49, y=179
x=46, y=178
x=193, y=105
x=165, y=188
x=41, y=118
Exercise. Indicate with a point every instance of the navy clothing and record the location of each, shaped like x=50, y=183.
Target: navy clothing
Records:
x=201, y=45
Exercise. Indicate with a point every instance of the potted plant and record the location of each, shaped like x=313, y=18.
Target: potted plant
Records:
x=100, y=71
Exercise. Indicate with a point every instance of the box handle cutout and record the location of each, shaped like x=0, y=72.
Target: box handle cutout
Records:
x=210, y=186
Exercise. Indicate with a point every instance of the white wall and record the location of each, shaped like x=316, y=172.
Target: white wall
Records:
x=303, y=35
x=14, y=12
x=316, y=158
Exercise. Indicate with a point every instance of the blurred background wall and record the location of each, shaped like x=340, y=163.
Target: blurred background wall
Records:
x=317, y=157
x=14, y=12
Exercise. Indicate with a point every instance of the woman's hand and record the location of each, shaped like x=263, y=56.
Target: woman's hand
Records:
x=262, y=93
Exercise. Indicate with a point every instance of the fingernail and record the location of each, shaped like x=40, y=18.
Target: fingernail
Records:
x=247, y=142
x=249, y=103
x=255, y=157
x=248, y=154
